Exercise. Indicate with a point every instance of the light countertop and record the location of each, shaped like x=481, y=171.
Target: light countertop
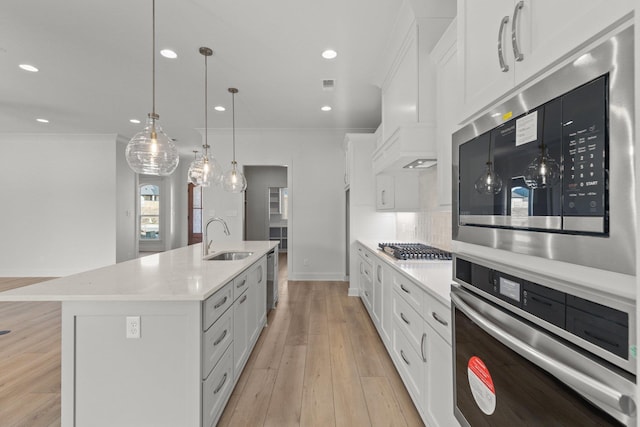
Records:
x=176, y=275
x=435, y=276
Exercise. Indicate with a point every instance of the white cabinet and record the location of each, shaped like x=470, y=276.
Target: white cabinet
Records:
x=448, y=107
x=258, y=279
x=439, y=387
x=384, y=272
x=366, y=278
x=242, y=312
x=532, y=35
x=397, y=192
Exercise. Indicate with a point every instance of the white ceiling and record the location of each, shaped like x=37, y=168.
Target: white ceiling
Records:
x=94, y=58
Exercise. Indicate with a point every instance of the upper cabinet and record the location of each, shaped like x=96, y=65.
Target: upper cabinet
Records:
x=504, y=43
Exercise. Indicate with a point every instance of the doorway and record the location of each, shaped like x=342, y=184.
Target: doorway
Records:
x=194, y=215
x=267, y=202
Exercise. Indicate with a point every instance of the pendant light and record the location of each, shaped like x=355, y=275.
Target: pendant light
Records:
x=151, y=151
x=489, y=182
x=233, y=180
x=211, y=169
x=194, y=175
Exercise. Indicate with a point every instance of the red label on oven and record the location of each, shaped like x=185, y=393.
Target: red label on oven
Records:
x=481, y=385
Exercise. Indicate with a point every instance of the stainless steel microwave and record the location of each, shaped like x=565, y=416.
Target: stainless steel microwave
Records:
x=550, y=172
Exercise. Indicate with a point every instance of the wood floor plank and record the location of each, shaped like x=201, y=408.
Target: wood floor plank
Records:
x=384, y=410
x=317, y=395
x=286, y=400
x=253, y=402
x=366, y=356
x=348, y=398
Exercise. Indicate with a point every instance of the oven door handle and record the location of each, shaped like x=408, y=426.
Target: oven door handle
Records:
x=583, y=384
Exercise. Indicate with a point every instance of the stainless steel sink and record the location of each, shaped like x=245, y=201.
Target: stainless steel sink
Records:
x=228, y=256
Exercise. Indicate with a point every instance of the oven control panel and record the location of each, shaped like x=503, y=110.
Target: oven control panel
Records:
x=605, y=327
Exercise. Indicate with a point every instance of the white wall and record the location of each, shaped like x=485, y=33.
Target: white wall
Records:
x=58, y=195
x=316, y=194
x=126, y=241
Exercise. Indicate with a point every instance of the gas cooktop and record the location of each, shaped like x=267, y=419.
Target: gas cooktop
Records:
x=417, y=251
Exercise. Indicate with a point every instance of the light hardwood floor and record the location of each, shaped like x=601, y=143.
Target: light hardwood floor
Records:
x=319, y=362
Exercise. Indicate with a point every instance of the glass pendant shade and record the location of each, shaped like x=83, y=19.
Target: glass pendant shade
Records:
x=151, y=151
x=233, y=180
x=542, y=172
x=489, y=182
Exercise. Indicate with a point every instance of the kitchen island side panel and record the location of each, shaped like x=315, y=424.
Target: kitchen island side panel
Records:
x=109, y=379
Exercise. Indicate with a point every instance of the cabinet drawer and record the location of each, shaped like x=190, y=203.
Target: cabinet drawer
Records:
x=410, y=291
x=217, y=304
x=216, y=340
x=438, y=316
x=410, y=365
x=240, y=283
x=216, y=388
x=408, y=320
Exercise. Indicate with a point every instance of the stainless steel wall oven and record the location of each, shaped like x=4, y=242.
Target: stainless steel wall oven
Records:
x=526, y=353
x=550, y=172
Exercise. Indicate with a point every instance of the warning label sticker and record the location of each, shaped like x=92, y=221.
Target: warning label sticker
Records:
x=481, y=385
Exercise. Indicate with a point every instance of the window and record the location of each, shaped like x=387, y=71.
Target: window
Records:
x=149, y=212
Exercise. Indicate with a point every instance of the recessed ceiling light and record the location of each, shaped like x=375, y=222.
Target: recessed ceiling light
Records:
x=219, y=108
x=42, y=120
x=28, y=67
x=168, y=53
x=135, y=121
x=326, y=108
x=329, y=54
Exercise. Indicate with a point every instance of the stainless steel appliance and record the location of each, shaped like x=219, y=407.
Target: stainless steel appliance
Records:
x=550, y=172
x=272, y=279
x=528, y=354
x=414, y=251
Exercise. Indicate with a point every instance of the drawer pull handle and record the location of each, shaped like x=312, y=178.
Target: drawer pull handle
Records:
x=422, y=350
x=404, y=289
x=243, y=299
x=219, y=340
x=241, y=284
x=224, y=380
x=404, y=358
x=439, y=319
x=220, y=303
x=404, y=318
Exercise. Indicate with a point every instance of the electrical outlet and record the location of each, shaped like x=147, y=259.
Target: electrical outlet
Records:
x=133, y=326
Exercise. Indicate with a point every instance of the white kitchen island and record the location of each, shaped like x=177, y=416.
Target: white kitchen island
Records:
x=159, y=340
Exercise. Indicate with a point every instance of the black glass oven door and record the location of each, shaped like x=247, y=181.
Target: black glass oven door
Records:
x=495, y=385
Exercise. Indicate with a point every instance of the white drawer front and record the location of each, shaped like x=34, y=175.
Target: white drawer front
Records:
x=408, y=320
x=410, y=291
x=410, y=365
x=216, y=340
x=217, y=304
x=216, y=388
x=439, y=318
x=240, y=283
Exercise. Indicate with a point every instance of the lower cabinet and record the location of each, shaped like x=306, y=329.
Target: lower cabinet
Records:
x=233, y=318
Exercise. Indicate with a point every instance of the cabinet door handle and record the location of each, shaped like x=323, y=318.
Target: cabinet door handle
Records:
x=439, y=319
x=422, y=349
x=382, y=197
x=404, y=358
x=518, y=55
x=224, y=380
x=241, y=284
x=379, y=274
x=221, y=302
x=503, y=65
x=259, y=274
x=243, y=299
x=220, y=338
x=404, y=289
x=366, y=293
x=404, y=319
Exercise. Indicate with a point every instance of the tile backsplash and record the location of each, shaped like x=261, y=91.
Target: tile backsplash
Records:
x=432, y=224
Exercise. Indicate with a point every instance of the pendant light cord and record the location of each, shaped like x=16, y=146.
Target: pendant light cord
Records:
x=206, y=140
x=233, y=124
x=153, y=58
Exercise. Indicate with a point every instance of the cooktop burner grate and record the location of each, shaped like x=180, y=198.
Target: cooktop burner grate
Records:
x=418, y=251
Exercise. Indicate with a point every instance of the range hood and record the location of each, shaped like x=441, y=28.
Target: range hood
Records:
x=410, y=147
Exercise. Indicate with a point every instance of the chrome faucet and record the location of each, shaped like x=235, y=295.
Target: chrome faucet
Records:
x=206, y=243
